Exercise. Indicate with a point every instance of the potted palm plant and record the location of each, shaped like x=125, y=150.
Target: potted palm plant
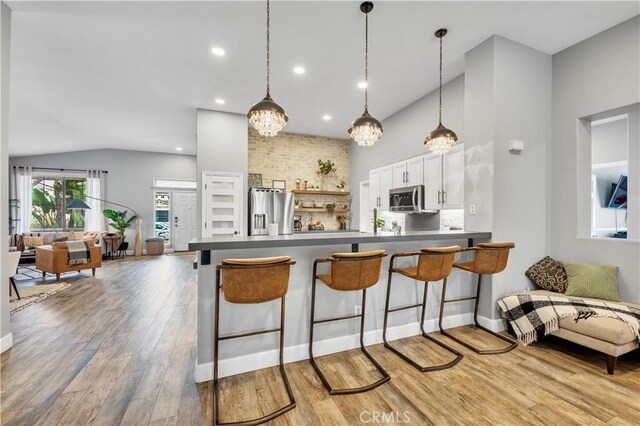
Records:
x=119, y=221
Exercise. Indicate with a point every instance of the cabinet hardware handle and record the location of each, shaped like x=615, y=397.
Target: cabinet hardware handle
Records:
x=443, y=197
x=407, y=176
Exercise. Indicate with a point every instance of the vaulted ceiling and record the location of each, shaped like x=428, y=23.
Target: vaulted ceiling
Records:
x=130, y=75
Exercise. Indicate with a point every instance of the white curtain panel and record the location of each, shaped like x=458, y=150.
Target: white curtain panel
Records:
x=94, y=219
x=20, y=188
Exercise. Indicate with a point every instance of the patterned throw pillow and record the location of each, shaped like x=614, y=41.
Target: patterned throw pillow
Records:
x=592, y=281
x=548, y=274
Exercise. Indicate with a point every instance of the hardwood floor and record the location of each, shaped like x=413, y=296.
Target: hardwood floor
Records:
x=119, y=348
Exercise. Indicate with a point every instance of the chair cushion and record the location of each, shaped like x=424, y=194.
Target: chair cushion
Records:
x=548, y=274
x=467, y=266
x=603, y=328
x=411, y=272
x=257, y=261
x=358, y=254
x=594, y=281
x=325, y=278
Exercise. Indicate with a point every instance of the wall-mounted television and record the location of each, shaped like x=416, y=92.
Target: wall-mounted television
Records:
x=618, y=198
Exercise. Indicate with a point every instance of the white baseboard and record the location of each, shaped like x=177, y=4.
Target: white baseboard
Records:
x=6, y=342
x=229, y=367
x=496, y=325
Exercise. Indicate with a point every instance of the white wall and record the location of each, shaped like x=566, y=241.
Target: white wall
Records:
x=130, y=177
x=222, y=146
x=403, y=137
x=507, y=96
x=5, y=44
x=596, y=75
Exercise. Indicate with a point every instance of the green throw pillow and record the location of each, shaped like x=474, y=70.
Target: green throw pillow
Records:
x=592, y=281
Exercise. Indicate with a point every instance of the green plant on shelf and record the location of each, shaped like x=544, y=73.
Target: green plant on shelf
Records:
x=341, y=185
x=379, y=222
x=326, y=167
x=31, y=247
x=331, y=208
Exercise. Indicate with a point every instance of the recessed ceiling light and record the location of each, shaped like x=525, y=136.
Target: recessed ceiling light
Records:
x=179, y=148
x=326, y=117
x=220, y=101
x=218, y=51
x=362, y=84
x=299, y=70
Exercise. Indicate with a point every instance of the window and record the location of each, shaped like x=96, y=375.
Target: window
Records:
x=162, y=224
x=50, y=195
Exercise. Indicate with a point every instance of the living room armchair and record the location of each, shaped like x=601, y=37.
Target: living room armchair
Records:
x=54, y=259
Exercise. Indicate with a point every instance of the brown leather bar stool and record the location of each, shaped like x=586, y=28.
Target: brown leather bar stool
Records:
x=252, y=281
x=349, y=272
x=490, y=258
x=434, y=264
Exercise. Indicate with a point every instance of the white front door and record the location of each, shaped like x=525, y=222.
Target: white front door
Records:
x=185, y=219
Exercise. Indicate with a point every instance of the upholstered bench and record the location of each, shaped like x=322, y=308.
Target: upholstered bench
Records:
x=607, y=335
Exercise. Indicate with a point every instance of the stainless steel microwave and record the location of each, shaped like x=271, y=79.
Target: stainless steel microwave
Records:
x=409, y=199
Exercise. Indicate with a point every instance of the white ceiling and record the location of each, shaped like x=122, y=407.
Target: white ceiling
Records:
x=129, y=75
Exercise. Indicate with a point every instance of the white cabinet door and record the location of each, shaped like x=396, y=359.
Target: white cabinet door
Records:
x=222, y=203
x=433, y=182
x=415, y=171
x=399, y=171
x=453, y=182
x=374, y=189
x=386, y=180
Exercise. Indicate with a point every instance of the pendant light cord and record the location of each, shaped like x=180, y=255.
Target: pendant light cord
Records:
x=440, y=105
x=366, y=62
x=268, y=43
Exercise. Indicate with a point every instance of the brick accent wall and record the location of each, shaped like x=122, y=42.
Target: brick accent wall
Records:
x=291, y=156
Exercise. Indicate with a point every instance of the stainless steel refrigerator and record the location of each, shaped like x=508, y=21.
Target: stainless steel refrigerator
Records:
x=268, y=206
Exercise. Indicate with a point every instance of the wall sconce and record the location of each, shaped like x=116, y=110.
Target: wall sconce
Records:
x=516, y=146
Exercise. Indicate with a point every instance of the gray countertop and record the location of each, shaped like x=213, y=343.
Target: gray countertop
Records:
x=230, y=242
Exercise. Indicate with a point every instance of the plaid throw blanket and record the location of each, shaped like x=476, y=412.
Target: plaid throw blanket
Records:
x=532, y=316
x=79, y=253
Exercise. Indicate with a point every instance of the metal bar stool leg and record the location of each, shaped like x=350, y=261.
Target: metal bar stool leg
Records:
x=423, y=332
x=385, y=376
x=512, y=344
x=15, y=288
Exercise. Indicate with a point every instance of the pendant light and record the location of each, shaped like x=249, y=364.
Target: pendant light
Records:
x=266, y=116
x=366, y=130
x=441, y=139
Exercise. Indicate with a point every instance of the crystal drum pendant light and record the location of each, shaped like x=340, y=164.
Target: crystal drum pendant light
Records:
x=366, y=130
x=441, y=139
x=266, y=116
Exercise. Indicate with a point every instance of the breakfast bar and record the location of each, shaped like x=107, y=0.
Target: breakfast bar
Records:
x=259, y=351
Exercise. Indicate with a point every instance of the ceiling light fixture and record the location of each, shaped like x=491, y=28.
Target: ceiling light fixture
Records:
x=326, y=117
x=266, y=116
x=362, y=85
x=218, y=51
x=366, y=130
x=441, y=139
x=179, y=148
x=220, y=101
x=299, y=70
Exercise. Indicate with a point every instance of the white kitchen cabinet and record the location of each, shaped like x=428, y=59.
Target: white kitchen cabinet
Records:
x=399, y=172
x=380, y=182
x=408, y=173
x=444, y=180
x=415, y=171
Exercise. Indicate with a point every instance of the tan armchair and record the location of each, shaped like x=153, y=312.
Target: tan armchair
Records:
x=54, y=259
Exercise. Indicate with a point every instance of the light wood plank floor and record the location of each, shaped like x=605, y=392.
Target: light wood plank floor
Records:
x=120, y=348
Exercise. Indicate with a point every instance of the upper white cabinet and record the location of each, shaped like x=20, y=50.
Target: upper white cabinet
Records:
x=380, y=182
x=444, y=180
x=408, y=173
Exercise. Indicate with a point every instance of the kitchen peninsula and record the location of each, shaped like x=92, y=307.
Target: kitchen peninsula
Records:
x=260, y=351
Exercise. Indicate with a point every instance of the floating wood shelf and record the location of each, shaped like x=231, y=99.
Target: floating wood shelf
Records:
x=308, y=192
x=319, y=209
